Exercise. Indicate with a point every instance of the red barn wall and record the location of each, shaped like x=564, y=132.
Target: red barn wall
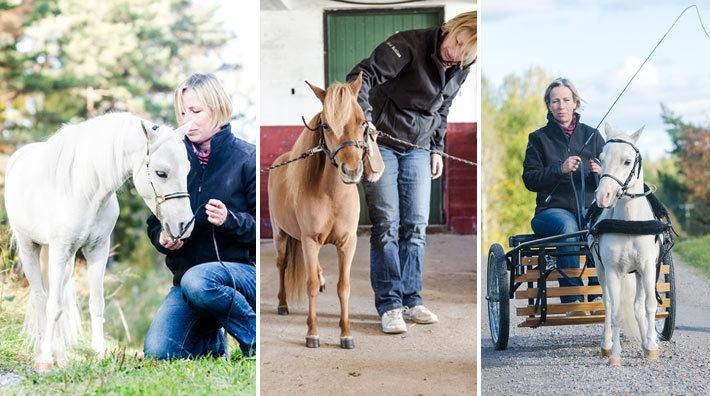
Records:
x=459, y=179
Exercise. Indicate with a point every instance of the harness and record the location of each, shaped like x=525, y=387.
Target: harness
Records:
x=661, y=225
x=323, y=147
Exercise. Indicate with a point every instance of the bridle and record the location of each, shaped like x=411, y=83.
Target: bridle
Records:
x=635, y=171
x=160, y=199
x=331, y=153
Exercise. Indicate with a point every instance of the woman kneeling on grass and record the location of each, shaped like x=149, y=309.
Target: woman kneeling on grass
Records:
x=209, y=295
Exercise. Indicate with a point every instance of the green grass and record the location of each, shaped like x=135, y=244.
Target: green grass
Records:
x=695, y=252
x=123, y=371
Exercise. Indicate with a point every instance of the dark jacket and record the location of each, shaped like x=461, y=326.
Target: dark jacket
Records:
x=229, y=176
x=548, y=148
x=405, y=91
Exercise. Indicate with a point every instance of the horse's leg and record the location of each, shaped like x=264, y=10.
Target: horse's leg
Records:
x=310, y=254
x=346, y=252
x=649, y=338
x=606, y=333
x=614, y=288
x=35, y=318
x=280, y=239
x=96, y=259
x=639, y=307
x=58, y=267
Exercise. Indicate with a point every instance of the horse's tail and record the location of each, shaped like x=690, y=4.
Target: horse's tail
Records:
x=628, y=316
x=295, y=275
x=68, y=326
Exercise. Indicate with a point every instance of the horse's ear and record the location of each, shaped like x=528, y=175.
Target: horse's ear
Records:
x=607, y=129
x=356, y=84
x=149, y=131
x=635, y=136
x=374, y=165
x=320, y=92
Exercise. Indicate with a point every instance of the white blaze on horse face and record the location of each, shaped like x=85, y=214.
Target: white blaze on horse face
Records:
x=165, y=175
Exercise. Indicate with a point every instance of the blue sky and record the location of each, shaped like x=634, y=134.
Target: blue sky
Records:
x=599, y=45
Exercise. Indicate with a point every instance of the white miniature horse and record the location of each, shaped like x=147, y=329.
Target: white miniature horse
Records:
x=625, y=262
x=60, y=197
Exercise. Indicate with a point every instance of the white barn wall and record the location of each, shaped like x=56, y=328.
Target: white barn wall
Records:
x=292, y=50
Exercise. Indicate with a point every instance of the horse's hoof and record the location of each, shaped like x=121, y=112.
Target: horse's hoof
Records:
x=651, y=354
x=347, y=342
x=614, y=361
x=42, y=367
x=606, y=352
x=322, y=288
x=313, y=341
x=283, y=310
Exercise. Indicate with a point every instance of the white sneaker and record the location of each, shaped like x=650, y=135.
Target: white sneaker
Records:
x=392, y=322
x=420, y=314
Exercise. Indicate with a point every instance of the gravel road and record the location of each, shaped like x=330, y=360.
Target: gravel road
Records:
x=566, y=360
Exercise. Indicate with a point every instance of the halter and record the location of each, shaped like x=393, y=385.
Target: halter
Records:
x=159, y=199
x=635, y=171
x=323, y=147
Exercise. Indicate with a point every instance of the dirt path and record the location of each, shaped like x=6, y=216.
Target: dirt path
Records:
x=436, y=359
x=538, y=359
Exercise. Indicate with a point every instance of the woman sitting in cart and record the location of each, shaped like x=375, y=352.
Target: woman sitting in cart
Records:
x=555, y=157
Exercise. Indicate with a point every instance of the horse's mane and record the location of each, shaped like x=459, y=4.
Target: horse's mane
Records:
x=89, y=156
x=338, y=107
x=306, y=173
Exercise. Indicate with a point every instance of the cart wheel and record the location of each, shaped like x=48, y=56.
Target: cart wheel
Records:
x=498, y=298
x=665, y=327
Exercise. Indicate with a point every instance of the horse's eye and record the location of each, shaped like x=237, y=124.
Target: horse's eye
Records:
x=161, y=174
x=326, y=127
x=627, y=162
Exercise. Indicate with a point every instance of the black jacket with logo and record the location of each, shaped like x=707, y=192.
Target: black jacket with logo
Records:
x=547, y=149
x=229, y=176
x=405, y=90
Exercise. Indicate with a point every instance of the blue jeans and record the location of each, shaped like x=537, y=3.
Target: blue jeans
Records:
x=190, y=322
x=399, y=211
x=556, y=221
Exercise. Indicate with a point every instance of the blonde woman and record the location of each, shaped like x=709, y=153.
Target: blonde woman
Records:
x=209, y=295
x=408, y=84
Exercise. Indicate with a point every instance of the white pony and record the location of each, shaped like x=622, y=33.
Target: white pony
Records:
x=623, y=261
x=60, y=197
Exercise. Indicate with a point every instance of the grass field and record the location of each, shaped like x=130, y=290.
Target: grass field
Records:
x=123, y=372
x=695, y=252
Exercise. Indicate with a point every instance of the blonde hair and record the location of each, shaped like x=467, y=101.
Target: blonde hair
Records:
x=212, y=95
x=465, y=22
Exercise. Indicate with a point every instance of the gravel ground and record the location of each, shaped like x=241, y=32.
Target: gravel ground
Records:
x=566, y=360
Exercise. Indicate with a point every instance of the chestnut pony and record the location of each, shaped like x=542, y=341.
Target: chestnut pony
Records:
x=314, y=201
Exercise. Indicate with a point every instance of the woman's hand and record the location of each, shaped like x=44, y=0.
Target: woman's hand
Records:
x=216, y=212
x=167, y=241
x=437, y=166
x=595, y=167
x=571, y=164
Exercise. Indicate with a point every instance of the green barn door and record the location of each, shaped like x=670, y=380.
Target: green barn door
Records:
x=350, y=36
